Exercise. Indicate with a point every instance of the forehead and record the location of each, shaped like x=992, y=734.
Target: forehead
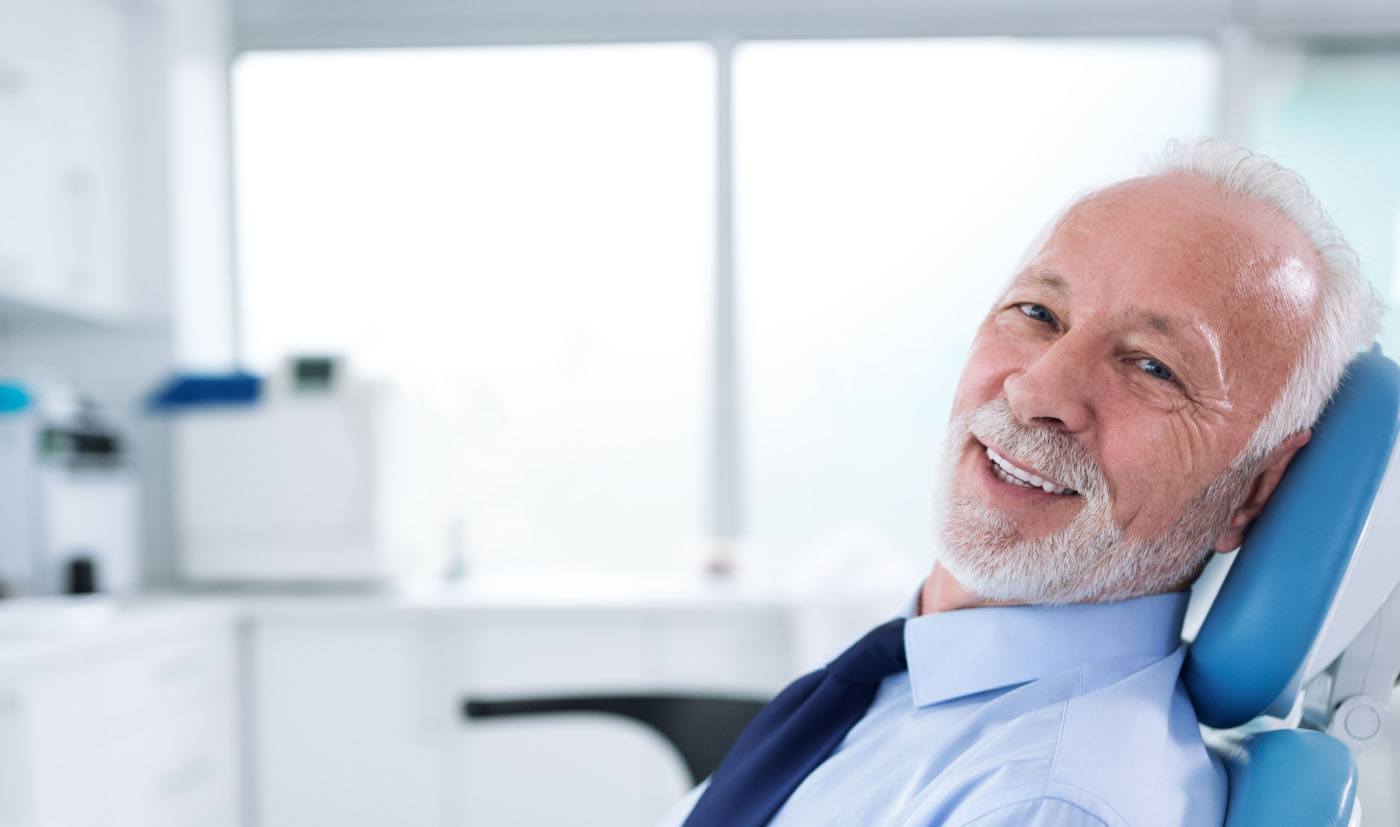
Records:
x=1177, y=254
x=1185, y=236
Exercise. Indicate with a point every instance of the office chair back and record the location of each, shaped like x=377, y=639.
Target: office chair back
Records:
x=701, y=728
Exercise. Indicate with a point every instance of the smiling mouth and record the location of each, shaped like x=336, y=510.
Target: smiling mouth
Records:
x=1011, y=474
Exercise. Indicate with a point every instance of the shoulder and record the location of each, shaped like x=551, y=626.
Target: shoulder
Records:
x=1136, y=746
x=1123, y=749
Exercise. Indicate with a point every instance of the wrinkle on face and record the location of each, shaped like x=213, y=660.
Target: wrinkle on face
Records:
x=1191, y=437
x=1219, y=400
x=1274, y=307
x=1222, y=289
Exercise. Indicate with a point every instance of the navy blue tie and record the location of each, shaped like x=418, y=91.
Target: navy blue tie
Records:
x=796, y=731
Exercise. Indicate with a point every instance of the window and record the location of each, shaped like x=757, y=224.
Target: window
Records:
x=527, y=235
x=1331, y=110
x=885, y=192
x=523, y=235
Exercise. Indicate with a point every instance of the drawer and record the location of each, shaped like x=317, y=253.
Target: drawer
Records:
x=175, y=768
x=150, y=679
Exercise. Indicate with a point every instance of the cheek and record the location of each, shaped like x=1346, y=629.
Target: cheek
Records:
x=1154, y=464
x=992, y=359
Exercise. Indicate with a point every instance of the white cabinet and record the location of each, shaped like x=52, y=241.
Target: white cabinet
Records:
x=122, y=731
x=95, y=191
x=358, y=721
x=29, y=136
x=59, y=712
x=347, y=730
x=66, y=100
x=15, y=804
x=169, y=733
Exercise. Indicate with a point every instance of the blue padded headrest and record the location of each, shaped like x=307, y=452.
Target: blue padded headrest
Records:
x=1274, y=600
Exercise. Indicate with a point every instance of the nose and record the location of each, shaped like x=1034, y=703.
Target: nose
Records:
x=1052, y=390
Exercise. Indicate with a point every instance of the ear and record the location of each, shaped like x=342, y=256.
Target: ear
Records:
x=1266, y=479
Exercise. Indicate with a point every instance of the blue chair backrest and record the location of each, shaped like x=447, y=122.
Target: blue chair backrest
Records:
x=1255, y=641
x=1264, y=633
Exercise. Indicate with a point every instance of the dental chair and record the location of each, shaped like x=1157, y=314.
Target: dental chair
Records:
x=1294, y=663
x=1305, y=630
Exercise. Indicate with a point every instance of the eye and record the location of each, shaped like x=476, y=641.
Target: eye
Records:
x=1039, y=312
x=1156, y=369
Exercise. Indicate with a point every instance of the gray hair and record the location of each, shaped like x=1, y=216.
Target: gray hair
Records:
x=1349, y=312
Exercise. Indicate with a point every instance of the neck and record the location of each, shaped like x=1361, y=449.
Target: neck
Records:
x=942, y=592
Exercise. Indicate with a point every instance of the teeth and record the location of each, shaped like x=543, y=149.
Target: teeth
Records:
x=1007, y=472
x=1005, y=477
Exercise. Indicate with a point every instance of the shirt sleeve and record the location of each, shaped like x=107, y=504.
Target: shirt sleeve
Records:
x=677, y=815
x=1040, y=812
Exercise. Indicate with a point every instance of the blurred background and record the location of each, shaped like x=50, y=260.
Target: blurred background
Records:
x=361, y=359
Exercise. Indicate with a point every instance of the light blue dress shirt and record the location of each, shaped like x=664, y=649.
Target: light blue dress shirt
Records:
x=1039, y=716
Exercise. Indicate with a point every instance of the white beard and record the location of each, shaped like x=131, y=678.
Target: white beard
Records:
x=1088, y=560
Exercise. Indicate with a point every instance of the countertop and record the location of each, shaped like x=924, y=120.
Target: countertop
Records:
x=64, y=627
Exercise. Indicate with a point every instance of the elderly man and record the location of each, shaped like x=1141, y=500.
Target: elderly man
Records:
x=1130, y=403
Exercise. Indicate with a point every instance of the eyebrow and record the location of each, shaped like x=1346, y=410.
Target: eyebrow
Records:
x=1159, y=323
x=1051, y=280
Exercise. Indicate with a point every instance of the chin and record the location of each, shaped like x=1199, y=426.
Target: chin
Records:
x=1085, y=560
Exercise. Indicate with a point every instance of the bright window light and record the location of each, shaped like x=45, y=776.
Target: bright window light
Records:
x=885, y=192
x=1317, y=102
x=524, y=235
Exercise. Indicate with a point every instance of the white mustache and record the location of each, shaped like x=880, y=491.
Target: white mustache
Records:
x=1053, y=454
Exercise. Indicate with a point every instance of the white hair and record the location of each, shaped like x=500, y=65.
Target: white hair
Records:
x=1349, y=311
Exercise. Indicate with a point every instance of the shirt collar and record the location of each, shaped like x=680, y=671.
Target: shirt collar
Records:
x=965, y=651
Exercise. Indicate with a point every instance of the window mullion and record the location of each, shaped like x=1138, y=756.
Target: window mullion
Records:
x=725, y=500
